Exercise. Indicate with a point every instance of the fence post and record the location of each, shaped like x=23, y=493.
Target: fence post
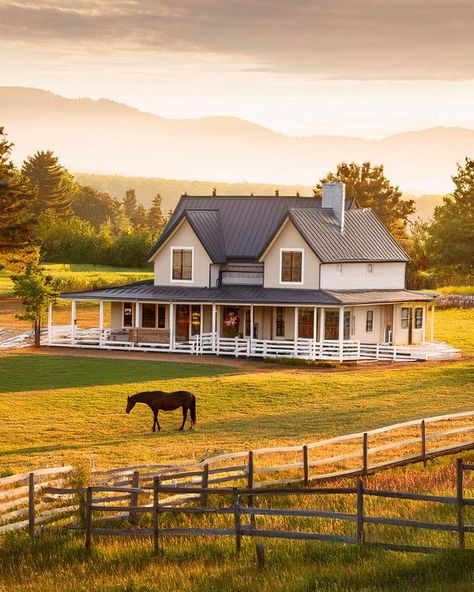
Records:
x=423, y=441
x=237, y=524
x=365, y=453
x=31, y=503
x=88, y=518
x=156, y=515
x=204, y=484
x=305, y=466
x=250, y=485
x=360, y=512
x=459, y=501
x=132, y=514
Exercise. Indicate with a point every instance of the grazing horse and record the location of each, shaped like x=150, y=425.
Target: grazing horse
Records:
x=157, y=400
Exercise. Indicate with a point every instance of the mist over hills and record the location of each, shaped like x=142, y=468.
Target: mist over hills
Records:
x=107, y=137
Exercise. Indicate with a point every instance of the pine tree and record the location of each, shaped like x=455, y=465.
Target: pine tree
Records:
x=371, y=188
x=130, y=205
x=156, y=217
x=17, y=223
x=55, y=186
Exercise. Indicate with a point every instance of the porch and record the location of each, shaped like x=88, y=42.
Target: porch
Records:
x=309, y=333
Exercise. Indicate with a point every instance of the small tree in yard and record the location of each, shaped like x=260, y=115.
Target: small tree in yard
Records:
x=36, y=293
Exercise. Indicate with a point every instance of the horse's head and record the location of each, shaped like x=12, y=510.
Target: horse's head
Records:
x=130, y=404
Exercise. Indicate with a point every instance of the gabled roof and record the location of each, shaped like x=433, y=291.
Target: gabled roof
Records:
x=236, y=228
x=364, y=238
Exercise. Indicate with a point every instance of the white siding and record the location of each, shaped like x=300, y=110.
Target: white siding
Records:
x=289, y=238
x=355, y=276
x=183, y=237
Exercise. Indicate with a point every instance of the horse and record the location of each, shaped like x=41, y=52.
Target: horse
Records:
x=157, y=400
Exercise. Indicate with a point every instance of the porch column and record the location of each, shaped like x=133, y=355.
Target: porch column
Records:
x=341, y=333
x=73, y=321
x=50, y=321
x=171, y=323
x=321, y=324
x=315, y=329
x=101, y=322
x=201, y=319
x=295, y=332
x=137, y=315
x=213, y=326
x=432, y=322
x=251, y=327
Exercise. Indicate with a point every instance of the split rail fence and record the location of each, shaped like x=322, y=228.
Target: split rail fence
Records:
x=240, y=506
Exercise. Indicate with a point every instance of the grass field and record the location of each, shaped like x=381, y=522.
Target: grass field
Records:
x=57, y=409
x=80, y=277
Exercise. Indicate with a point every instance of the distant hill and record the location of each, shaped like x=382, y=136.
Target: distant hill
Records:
x=111, y=138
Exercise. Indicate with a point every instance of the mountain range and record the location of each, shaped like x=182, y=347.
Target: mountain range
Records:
x=103, y=136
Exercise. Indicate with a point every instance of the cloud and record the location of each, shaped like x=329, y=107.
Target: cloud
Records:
x=327, y=39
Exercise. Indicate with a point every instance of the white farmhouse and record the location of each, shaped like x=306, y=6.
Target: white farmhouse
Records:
x=269, y=276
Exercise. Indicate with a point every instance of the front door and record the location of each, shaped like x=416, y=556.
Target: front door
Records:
x=182, y=322
x=347, y=325
x=331, y=324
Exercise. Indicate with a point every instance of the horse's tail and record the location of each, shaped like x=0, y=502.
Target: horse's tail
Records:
x=193, y=411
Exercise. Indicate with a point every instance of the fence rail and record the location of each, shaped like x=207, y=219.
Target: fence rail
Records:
x=239, y=504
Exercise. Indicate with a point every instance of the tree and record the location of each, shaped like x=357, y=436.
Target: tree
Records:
x=371, y=188
x=54, y=184
x=451, y=234
x=156, y=216
x=130, y=205
x=17, y=223
x=96, y=207
x=36, y=293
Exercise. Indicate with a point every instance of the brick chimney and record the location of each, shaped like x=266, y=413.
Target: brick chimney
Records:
x=334, y=197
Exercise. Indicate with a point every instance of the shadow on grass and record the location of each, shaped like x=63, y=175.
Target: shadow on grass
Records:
x=30, y=372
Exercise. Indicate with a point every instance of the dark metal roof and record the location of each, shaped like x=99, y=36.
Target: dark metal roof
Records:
x=364, y=238
x=206, y=224
x=147, y=292
x=379, y=296
x=246, y=222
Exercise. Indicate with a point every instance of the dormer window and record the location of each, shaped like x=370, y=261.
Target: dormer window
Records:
x=182, y=264
x=291, y=265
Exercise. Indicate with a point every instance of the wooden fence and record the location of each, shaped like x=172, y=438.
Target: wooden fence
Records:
x=353, y=455
x=240, y=505
x=22, y=503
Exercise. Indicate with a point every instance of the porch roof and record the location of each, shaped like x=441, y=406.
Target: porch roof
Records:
x=148, y=292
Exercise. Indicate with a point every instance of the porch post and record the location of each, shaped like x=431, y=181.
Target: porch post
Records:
x=295, y=332
x=213, y=326
x=50, y=321
x=251, y=327
x=171, y=323
x=341, y=333
x=315, y=335
x=201, y=318
x=432, y=322
x=321, y=324
x=137, y=315
x=73, y=321
x=101, y=322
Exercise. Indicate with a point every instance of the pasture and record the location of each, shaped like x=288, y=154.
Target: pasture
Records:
x=63, y=409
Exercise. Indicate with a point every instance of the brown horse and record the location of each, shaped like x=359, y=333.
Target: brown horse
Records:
x=157, y=400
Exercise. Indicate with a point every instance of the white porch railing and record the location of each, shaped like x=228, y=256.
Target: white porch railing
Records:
x=211, y=343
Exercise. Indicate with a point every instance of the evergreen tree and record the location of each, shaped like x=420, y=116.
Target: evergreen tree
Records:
x=130, y=205
x=371, y=188
x=55, y=186
x=16, y=220
x=156, y=217
x=451, y=234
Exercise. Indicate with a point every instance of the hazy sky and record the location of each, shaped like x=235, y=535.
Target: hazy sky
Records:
x=349, y=67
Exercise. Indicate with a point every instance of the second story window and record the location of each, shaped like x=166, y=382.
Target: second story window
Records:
x=182, y=264
x=292, y=266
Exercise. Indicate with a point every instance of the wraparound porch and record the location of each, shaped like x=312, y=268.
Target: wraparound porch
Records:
x=312, y=333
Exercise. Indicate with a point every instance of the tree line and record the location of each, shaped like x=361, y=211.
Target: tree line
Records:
x=48, y=215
